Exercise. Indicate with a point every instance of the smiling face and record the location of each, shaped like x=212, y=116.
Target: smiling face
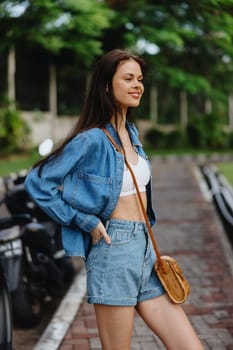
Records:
x=127, y=86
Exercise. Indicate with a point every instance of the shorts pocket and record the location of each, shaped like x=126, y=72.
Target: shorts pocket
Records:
x=92, y=256
x=120, y=236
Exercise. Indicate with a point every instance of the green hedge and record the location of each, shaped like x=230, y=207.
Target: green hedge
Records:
x=14, y=132
x=204, y=132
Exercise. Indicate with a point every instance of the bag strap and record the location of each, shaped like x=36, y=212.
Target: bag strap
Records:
x=139, y=198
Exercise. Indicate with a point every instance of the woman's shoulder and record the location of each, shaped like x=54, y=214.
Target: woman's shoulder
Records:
x=91, y=136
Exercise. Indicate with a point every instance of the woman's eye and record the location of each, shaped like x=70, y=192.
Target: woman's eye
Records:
x=130, y=79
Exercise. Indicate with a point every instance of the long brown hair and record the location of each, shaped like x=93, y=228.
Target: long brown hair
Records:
x=99, y=105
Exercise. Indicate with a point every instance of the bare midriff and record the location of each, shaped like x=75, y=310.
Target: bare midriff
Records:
x=128, y=208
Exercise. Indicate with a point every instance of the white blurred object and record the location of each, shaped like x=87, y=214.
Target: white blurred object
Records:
x=45, y=147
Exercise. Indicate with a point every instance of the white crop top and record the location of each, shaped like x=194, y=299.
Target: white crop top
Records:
x=142, y=173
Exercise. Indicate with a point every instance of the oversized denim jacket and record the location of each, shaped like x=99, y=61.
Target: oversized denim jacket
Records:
x=81, y=186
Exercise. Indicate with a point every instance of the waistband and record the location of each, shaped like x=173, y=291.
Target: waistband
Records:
x=121, y=224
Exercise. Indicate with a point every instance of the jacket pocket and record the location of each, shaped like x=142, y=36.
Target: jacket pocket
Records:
x=89, y=193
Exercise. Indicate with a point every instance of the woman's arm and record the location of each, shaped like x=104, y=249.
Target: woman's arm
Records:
x=46, y=187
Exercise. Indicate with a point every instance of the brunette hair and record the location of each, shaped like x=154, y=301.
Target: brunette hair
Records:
x=99, y=105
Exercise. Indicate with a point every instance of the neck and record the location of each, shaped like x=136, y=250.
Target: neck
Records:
x=120, y=127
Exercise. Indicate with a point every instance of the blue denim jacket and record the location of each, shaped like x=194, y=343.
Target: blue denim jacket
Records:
x=81, y=186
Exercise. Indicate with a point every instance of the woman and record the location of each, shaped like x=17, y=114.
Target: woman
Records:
x=85, y=186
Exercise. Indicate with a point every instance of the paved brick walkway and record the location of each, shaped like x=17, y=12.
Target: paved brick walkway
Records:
x=188, y=229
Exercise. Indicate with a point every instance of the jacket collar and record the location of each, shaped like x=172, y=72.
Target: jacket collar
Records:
x=131, y=130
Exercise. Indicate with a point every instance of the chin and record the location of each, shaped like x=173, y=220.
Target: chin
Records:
x=134, y=104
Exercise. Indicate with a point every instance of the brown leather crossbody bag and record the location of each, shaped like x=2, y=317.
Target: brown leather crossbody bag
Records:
x=166, y=267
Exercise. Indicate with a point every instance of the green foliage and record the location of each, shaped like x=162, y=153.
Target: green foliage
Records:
x=192, y=83
x=13, y=130
x=188, y=44
x=206, y=131
x=158, y=139
x=196, y=133
x=155, y=138
x=56, y=26
x=193, y=40
x=176, y=139
x=203, y=132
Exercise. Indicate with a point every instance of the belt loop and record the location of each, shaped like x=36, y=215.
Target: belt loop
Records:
x=107, y=225
x=135, y=227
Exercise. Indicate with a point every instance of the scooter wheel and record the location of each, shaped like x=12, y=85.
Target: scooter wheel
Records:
x=5, y=316
x=24, y=314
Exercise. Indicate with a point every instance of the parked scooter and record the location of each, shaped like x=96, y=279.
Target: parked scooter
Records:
x=5, y=314
x=10, y=266
x=222, y=196
x=46, y=270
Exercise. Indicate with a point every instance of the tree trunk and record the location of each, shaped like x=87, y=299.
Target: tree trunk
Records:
x=208, y=106
x=154, y=105
x=53, y=99
x=183, y=109
x=230, y=111
x=11, y=75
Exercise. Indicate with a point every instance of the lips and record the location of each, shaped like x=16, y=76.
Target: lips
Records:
x=135, y=94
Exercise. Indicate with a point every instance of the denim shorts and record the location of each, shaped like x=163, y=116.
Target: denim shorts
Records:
x=122, y=273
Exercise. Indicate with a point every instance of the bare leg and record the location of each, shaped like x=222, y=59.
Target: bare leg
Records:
x=115, y=325
x=170, y=323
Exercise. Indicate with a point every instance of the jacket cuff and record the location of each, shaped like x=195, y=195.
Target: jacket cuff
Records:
x=88, y=224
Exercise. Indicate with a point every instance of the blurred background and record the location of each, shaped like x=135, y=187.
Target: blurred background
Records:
x=47, y=52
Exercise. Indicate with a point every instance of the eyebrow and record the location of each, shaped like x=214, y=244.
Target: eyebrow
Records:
x=132, y=75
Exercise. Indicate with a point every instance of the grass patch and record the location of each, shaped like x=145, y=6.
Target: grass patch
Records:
x=226, y=168
x=15, y=163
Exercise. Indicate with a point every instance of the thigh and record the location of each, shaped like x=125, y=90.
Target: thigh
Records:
x=115, y=325
x=170, y=323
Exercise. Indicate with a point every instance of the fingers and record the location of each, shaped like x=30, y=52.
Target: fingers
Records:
x=98, y=232
x=106, y=237
x=96, y=238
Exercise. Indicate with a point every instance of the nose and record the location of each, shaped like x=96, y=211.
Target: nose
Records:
x=136, y=83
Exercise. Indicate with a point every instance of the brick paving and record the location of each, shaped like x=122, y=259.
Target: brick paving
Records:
x=188, y=228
